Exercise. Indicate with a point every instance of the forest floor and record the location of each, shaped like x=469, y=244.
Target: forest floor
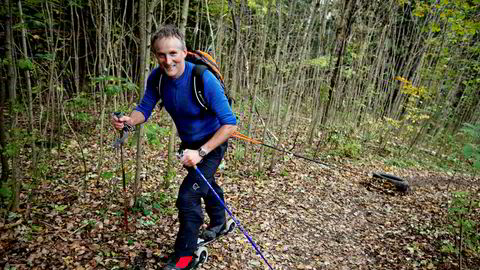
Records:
x=302, y=215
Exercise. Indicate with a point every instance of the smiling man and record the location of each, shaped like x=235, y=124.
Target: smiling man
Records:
x=204, y=137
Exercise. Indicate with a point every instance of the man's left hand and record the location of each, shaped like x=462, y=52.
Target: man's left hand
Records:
x=190, y=158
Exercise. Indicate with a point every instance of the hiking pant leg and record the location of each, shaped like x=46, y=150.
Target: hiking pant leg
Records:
x=214, y=209
x=190, y=216
x=188, y=202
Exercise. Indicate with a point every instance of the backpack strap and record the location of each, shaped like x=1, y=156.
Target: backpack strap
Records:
x=159, y=89
x=198, y=87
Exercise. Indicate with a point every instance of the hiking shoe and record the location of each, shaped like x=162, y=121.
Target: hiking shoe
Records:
x=211, y=233
x=179, y=263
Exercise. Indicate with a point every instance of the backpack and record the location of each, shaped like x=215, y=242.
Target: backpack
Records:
x=202, y=61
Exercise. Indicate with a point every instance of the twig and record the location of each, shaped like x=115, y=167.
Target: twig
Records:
x=263, y=123
x=81, y=227
x=11, y=225
x=49, y=225
x=57, y=229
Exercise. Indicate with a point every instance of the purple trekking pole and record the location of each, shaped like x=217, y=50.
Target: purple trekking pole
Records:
x=234, y=219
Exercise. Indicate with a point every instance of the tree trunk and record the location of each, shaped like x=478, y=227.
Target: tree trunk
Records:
x=12, y=81
x=276, y=76
x=220, y=38
x=3, y=138
x=211, y=47
x=236, y=29
x=12, y=73
x=343, y=32
x=183, y=22
x=259, y=68
x=296, y=89
x=142, y=14
x=75, y=41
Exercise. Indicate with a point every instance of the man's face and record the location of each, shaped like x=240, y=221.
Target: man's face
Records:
x=171, y=54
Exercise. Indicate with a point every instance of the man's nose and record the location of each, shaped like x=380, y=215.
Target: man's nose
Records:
x=168, y=59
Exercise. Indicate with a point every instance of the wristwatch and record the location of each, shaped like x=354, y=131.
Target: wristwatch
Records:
x=202, y=152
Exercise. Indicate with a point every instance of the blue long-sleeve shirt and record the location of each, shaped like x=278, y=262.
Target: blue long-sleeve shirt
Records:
x=192, y=123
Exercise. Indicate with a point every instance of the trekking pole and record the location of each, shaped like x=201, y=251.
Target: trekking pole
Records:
x=240, y=136
x=119, y=144
x=234, y=219
x=125, y=209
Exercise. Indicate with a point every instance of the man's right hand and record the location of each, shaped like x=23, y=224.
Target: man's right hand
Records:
x=119, y=122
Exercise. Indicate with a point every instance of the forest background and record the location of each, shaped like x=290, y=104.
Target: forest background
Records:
x=355, y=85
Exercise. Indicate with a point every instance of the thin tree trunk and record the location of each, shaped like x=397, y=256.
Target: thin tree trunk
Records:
x=316, y=112
x=296, y=91
x=237, y=38
x=220, y=38
x=12, y=73
x=183, y=22
x=343, y=32
x=52, y=74
x=3, y=139
x=29, y=89
x=150, y=18
x=259, y=67
x=12, y=81
x=75, y=41
x=29, y=106
x=142, y=13
x=277, y=81
x=212, y=37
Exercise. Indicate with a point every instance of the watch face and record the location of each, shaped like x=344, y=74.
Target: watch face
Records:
x=202, y=152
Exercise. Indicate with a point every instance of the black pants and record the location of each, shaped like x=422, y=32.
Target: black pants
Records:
x=192, y=189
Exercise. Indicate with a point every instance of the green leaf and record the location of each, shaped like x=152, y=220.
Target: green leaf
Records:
x=60, y=208
x=11, y=149
x=113, y=89
x=448, y=248
x=130, y=86
x=476, y=164
x=46, y=56
x=37, y=228
x=107, y=175
x=321, y=62
x=468, y=150
x=25, y=64
x=5, y=192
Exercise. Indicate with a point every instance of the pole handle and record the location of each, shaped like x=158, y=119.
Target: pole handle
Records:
x=126, y=126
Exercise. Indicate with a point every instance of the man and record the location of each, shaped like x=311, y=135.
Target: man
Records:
x=204, y=137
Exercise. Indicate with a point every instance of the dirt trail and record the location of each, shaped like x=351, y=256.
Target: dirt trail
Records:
x=302, y=217
x=313, y=218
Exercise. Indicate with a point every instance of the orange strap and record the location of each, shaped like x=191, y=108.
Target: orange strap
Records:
x=240, y=136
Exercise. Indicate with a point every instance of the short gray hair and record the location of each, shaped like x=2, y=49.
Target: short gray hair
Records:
x=167, y=31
